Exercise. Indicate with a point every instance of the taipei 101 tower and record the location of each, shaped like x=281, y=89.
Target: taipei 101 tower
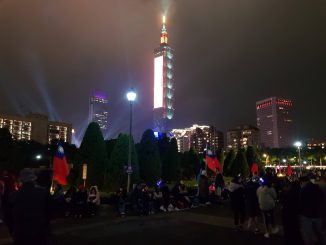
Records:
x=163, y=84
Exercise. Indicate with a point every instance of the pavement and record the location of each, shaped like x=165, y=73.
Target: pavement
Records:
x=194, y=226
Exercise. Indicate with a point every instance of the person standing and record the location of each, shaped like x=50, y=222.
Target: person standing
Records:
x=219, y=184
x=290, y=213
x=322, y=185
x=311, y=200
x=237, y=194
x=252, y=204
x=30, y=211
x=267, y=199
x=203, y=188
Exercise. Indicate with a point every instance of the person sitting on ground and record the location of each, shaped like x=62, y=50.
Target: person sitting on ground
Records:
x=267, y=201
x=58, y=198
x=93, y=200
x=121, y=201
x=81, y=200
x=237, y=194
x=158, y=199
x=166, y=196
x=69, y=198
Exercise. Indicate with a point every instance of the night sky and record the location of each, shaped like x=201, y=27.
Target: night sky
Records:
x=229, y=54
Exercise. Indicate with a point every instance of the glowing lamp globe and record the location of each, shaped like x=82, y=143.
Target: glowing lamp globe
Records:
x=131, y=96
x=298, y=144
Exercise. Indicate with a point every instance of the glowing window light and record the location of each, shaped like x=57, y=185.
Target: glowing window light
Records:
x=158, y=82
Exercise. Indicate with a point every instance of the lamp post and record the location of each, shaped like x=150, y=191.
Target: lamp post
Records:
x=131, y=96
x=298, y=144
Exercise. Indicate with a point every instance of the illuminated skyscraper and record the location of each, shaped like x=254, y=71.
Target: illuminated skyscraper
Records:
x=275, y=122
x=163, y=84
x=98, y=111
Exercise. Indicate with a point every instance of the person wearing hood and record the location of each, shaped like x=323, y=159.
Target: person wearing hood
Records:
x=237, y=195
x=267, y=199
x=93, y=199
x=30, y=211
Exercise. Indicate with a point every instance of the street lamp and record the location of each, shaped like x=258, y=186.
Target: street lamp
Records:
x=38, y=157
x=131, y=96
x=266, y=158
x=298, y=144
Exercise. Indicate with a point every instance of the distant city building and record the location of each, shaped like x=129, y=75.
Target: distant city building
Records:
x=98, y=111
x=275, y=122
x=314, y=144
x=242, y=137
x=36, y=127
x=163, y=84
x=198, y=137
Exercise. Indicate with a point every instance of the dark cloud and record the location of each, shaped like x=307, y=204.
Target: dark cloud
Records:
x=228, y=55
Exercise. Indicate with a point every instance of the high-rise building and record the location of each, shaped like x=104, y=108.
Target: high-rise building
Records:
x=275, y=122
x=163, y=84
x=36, y=127
x=242, y=137
x=98, y=111
x=315, y=144
x=198, y=137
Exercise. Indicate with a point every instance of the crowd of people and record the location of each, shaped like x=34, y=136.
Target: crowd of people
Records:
x=301, y=201
x=28, y=208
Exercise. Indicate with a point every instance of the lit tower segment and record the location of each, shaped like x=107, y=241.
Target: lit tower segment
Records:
x=163, y=83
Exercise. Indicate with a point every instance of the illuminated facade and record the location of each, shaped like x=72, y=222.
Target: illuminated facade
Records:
x=242, y=137
x=163, y=84
x=98, y=111
x=316, y=144
x=275, y=122
x=198, y=137
x=36, y=127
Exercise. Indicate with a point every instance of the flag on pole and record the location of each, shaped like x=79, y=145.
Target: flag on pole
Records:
x=212, y=162
x=60, y=166
x=289, y=170
x=254, y=168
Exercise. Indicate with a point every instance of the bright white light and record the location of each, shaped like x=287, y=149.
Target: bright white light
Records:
x=131, y=95
x=298, y=144
x=304, y=162
x=158, y=82
x=38, y=157
x=284, y=160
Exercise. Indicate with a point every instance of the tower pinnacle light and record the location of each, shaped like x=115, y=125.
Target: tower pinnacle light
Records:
x=164, y=33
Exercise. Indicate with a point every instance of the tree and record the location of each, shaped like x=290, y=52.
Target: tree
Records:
x=93, y=152
x=228, y=162
x=189, y=163
x=6, y=146
x=240, y=165
x=169, y=158
x=149, y=158
x=118, y=162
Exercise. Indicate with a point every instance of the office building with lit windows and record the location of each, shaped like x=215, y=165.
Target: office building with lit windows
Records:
x=98, y=111
x=275, y=122
x=163, y=84
x=198, y=137
x=242, y=137
x=36, y=127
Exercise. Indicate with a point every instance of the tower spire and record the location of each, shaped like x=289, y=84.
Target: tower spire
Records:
x=164, y=33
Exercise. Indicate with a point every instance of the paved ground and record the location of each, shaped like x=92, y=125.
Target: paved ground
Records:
x=194, y=226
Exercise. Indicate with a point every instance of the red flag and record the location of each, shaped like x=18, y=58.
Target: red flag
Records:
x=254, y=168
x=213, y=163
x=210, y=163
x=289, y=170
x=60, y=167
